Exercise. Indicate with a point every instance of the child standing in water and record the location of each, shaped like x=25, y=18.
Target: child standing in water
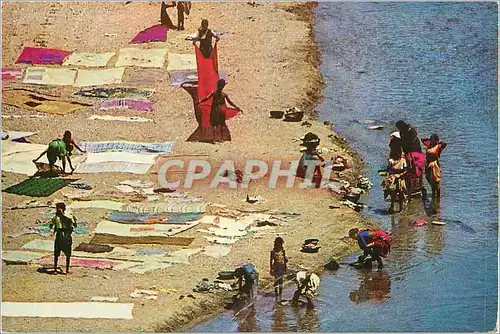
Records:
x=277, y=264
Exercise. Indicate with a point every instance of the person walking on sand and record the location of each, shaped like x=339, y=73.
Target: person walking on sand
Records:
x=182, y=7
x=217, y=116
x=70, y=143
x=277, y=264
x=247, y=272
x=307, y=286
x=63, y=227
x=374, y=243
x=205, y=36
x=434, y=147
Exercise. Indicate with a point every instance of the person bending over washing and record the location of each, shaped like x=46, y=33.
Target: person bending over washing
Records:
x=56, y=150
x=70, y=142
x=205, y=36
x=277, y=264
x=307, y=286
x=63, y=227
x=217, y=116
x=374, y=244
x=248, y=272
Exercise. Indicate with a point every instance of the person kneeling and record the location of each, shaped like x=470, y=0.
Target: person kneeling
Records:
x=307, y=286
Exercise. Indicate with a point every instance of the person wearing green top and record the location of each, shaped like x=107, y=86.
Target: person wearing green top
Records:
x=56, y=149
x=63, y=227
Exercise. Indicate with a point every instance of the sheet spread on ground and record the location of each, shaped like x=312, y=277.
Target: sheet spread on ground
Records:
x=12, y=73
x=88, y=59
x=168, y=206
x=113, y=167
x=31, y=55
x=127, y=104
x=13, y=135
x=115, y=92
x=50, y=76
x=141, y=230
x=144, y=158
x=39, y=187
x=141, y=57
x=110, y=205
x=37, y=102
x=126, y=146
x=179, y=77
x=100, y=77
x=120, y=118
x=68, y=310
x=181, y=62
x=156, y=33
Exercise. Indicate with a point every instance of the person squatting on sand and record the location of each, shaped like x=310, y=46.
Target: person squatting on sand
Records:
x=375, y=244
x=307, y=286
x=205, y=36
x=277, y=264
x=63, y=227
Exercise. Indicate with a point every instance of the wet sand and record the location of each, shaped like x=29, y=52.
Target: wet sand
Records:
x=271, y=62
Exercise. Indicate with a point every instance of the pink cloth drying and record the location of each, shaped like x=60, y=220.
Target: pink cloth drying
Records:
x=42, y=56
x=156, y=33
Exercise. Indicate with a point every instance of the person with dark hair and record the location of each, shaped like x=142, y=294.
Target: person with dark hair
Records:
x=277, y=264
x=205, y=36
x=217, y=116
x=394, y=183
x=182, y=7
x=164, y=18
x=63, y=227
x=434, y=147
x=375, y=244
x=247, y=272
x=70, y=145
x=311, y=142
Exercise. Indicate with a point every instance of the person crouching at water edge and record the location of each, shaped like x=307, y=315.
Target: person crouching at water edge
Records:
x=63, y=227
x=247, y=272
x=307, y=286
x=375, y=244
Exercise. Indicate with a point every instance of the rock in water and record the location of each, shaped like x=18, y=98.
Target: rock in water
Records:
x=332, y=265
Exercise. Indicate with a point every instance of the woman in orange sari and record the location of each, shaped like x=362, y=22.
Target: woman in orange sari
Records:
x=434, y=147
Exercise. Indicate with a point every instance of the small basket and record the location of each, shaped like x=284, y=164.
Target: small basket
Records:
x=294, y=116
x=277, y=113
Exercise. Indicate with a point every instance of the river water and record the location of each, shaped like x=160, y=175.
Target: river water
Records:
x=435, y=66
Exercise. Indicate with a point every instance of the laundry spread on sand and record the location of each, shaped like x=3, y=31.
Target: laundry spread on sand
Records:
x=168, y=206
x=82, y=262
x=40, y=245
x=181, y=62
x=141, y=57
x=141, y=230
x=38, y=187
x=109, y=205
x=104, y=299
x=50, y=76
x=89, y=310
x=216, y=251
x=162, y=240
x=20, y=257
x=115, y=93
x=154, y=218
x=149, y=77
x=127, y=104
x=138, y=158
x=156, y=33
x=120, y=118
x=220, y=240
x=145, y=267
x=177, y=78
x=16, y=135
x=37, y=102
x=85, y=247
x=44, y=56
x=88, y=59
x=11, y=73
x=126, y=146
x=100, y=77
x=112, y=167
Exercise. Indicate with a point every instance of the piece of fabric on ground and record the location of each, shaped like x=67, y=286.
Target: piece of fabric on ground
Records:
x=31, y=55
x=21, y=257
x=109, y=205
x=115, y=93
x=88, y=310
x=145, y=267
x=90, y=248
x=40, y=245
x=222, y=241
x=179, y=77
x=82, y=262
x=113, y=167
x=141, y=57
x=11, y=148
x=50, y=76
x=104, y=299
x=120, y=118
x=117, y=239
x=138, y=158
x=140, y=230
x=15, y=135
x=88, y=59
x=181, y=62
x=156, y=33
x=155, y=218
x=148, y=77
x=101, y=77
x=124, y=146
x=11, y=73
x=36, y=102
x=39, y=187
x=168, y=206
x=127, y=104
x=216, y=251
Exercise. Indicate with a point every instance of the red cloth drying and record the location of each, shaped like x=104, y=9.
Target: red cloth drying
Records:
x=32, y=55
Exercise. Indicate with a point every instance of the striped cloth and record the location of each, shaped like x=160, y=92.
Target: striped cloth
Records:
x=122, y=146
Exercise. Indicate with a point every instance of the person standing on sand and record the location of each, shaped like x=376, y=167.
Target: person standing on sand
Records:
x=205, y=36
x=182, y=7
x=375, y=244
x=277, y=264
x=307, y=286
x=164, y=18
x=70, y=142
x=217, y=116
x=63, y=227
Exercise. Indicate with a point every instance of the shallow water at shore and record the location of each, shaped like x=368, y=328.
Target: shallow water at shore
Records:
x=433, y=65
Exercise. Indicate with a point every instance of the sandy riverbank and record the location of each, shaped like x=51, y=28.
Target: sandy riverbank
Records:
x=270, y=58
